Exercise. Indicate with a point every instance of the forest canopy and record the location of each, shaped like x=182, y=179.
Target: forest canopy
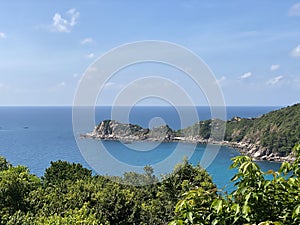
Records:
x=70, y=194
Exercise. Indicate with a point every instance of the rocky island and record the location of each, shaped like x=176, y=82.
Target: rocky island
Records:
x=268, y=137
x=114, y=130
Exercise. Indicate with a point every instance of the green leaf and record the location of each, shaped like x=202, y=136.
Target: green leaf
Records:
x=190, y=216
x=217, y=205
x=215, y=222
x=246, y=210
x=296, y=212
x=236, y=208
x=247, y=198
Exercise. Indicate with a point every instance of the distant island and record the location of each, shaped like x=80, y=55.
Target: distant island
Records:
x=268, y=137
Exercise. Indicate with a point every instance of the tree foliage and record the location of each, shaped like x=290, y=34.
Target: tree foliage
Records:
x=256, y=200
x=70, y=194
x=60, y=171
x=16, y=183
x=4, y=164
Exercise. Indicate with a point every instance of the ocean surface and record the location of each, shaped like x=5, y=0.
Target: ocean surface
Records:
x=35, y=136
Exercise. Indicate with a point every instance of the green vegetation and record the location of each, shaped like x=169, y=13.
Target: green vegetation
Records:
x=276, y=132
x=279, y=130
x=70, y=194
x=256, y=200
x=202, y=129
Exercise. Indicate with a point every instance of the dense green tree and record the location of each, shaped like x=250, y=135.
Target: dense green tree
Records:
x=61, y=171
x=69, y=194
x=184, y=177
x=16, y=183
x=82, y=216
x=4, y=164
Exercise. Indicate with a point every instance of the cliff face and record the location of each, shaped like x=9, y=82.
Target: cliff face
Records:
x=270, y=137
x=110, y=128
x=113, y=130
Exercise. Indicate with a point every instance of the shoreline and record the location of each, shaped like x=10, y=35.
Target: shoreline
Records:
x=254, y=151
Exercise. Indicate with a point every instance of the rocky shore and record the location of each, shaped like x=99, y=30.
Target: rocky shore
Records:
x=127, y=133
x=257, y=152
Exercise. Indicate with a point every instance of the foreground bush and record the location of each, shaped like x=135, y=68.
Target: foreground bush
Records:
x=69, y=194
x=256, y=200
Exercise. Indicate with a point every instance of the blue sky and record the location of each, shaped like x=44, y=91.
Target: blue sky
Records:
x=253, y=47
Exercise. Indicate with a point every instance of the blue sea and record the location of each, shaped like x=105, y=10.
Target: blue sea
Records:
x=35, y=136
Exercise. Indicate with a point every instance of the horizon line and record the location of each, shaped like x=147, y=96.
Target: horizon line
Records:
x=146, y=105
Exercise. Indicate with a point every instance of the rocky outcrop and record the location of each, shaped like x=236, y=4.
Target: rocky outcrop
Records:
x=259, y=153
x=269, y=137
x=114, y=130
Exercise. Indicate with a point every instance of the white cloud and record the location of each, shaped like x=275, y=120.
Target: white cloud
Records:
x=87, y=41
x=274, y=80
x=109, y=84
x=295, y=10
x=219, y=81
x=2, y=35
x=61, y=24
x=246, y=75
x=90, y=56
x=57, y=86
x=92, y=69
x=296, y=52
x=62, y=84
x=74, y=16
x=274, y=67
x=113, y=85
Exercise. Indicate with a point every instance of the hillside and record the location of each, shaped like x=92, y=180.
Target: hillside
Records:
x=278, y=131
x=275, y=132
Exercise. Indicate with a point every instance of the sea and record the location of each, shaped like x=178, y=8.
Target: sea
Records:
x=35, y=136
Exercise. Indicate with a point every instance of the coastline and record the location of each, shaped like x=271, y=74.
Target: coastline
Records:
x=258, y=153
x=254, y=151
x=269, y=137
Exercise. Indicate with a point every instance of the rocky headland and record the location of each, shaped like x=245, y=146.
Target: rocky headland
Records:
x=269, y=137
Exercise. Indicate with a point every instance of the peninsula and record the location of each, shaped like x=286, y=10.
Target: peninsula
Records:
x=268, y=137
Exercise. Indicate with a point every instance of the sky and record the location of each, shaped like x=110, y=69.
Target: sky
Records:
x=251, y=46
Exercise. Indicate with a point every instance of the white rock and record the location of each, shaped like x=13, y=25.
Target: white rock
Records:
x=257, y=154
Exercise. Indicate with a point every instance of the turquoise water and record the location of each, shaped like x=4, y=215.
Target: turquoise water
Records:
x=34, y=136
